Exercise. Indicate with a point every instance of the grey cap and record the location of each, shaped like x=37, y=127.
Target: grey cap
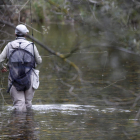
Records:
x=21, y=29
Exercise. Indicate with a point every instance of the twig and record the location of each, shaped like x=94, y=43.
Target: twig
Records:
x=74, y=50
x=138, y=114
x=114, y=83
x=127, y=135
x=31, y=27
x=93, y=1
x=23, y=6
x=116, y=103
x=93, y=12
x=3, y=96
x=71, y=90
x=135, y=102
x=7, y=10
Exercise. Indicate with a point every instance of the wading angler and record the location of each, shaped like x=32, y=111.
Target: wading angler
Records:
x=23, y=57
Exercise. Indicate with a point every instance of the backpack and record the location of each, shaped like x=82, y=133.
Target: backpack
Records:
x=21, y=63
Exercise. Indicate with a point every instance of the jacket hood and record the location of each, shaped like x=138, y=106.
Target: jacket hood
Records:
x=16, y=43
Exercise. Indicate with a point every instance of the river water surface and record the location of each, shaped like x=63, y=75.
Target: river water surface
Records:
x=104, y=105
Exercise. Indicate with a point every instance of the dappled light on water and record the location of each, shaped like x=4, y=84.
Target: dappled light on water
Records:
x=70, y=108
x=68, y=121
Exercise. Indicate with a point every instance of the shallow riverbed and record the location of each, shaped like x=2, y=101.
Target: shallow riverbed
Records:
x=103, y=105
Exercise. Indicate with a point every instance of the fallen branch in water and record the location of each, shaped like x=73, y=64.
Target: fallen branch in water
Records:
x=137, y=115
x=116, y=103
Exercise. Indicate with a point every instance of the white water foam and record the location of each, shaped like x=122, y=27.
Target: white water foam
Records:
x=71, y=108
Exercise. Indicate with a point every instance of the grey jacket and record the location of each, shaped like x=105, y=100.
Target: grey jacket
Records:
x=15, y=44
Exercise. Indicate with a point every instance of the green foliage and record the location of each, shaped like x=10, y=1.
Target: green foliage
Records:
x=38, y=10
x=115, y=22
x=58, y=7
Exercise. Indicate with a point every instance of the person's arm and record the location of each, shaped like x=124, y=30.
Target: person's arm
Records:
x=3, y=56
x=38, y=58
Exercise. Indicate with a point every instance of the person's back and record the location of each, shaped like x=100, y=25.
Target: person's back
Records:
x=21, y=63
x=24, y=44
x=22, y=99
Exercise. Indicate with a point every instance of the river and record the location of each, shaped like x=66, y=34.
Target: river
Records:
x=103, y=105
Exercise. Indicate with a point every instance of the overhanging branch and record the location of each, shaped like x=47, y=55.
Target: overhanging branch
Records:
x=45, y=47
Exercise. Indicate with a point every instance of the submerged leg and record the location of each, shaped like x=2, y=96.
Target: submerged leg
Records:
x=29, y=94
x=18, y=98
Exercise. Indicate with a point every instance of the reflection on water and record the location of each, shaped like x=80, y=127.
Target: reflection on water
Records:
x=18, y=126
x=68, y=121
x=70, y=108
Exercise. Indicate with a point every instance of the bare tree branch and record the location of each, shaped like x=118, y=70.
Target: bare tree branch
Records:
x=7, y=10
x=46, y=47
x=93, y=2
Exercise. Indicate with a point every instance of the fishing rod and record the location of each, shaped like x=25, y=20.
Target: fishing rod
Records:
x=31, y=24
x=31, y=16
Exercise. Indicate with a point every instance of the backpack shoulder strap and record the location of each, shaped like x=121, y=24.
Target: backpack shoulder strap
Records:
x=10, y=45
x=32, y=45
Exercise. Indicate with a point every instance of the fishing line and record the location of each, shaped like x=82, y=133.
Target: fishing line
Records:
x=77, y=53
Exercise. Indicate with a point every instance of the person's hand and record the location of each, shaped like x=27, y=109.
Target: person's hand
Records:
x=4, y=69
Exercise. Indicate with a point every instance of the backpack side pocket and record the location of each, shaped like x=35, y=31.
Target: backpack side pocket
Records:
x=35, y=79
